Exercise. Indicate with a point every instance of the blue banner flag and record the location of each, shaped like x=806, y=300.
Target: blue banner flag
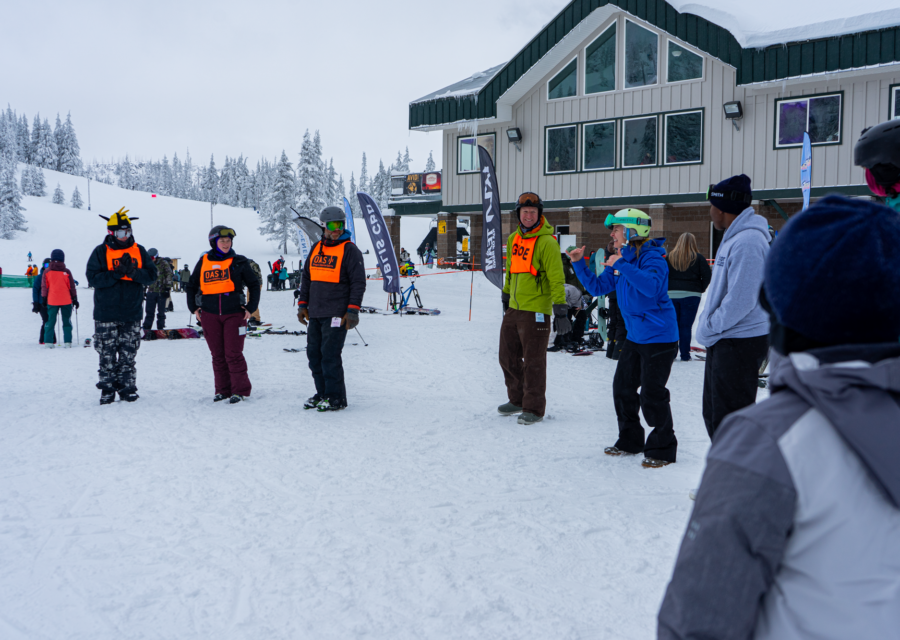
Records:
x=348, y=212
x=806, y=169
x=491, y=247
x=381, y=242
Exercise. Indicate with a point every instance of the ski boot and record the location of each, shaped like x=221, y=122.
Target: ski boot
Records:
x=107, y=397
x=221, y=396
x=235, y=398
x=615, y=451
x=313, y=402
x=654, y=463
x=128, y=395
x=529, y=419
x=148, y=335
x=508, y=409
x=331, y=405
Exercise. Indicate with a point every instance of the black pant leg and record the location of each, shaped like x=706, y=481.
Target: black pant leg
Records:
x=44, y=318
x=162, y=300
x=314, y=352
x=656, y=365
x=149, y=309
x=333, y=339
x=627, y=401
x=733, y=377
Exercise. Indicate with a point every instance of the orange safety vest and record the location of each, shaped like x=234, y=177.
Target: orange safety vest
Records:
x=522, y=255
x=59, y=293
x=114, y=255
x=215, y=276
x=325, y=263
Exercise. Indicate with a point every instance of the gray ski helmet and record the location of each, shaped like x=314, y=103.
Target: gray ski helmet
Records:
x=332, y=214
x=878, y=150
x=152, y=252
x=220, y=231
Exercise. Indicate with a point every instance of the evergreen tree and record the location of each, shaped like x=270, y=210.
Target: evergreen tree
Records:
x=406, y=160
x=308, y=180
x=68, y=148
x=340, y=192
x=45, y=153
x=38, y=184
x=352, y=199
x=429, y=164
x=27, y=186
x=364, y=176
x=11, y=218
x=321, y=173
x=77, y=202
x=331, y=187
x=210, y=185
x=397, y=167
x=125, y=174
x=58, y=196
x=59, y=137
x=24, y=140
x=276, y=214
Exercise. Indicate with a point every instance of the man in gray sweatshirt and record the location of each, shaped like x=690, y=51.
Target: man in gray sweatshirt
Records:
x=733, y=326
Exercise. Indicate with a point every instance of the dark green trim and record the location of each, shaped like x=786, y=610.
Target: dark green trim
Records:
x=777, y=207
x=459, y=137
x=891, y=99
x=776, y=62
x=778, y=101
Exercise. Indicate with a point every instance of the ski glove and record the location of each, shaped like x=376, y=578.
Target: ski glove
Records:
x=561, y=313
x=504, y=298
x=35, y=307
x=124, y=265
x=77, y=305
x=303, y=316
x=350, y=320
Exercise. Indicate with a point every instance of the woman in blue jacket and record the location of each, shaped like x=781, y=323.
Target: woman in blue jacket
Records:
x=652, y=342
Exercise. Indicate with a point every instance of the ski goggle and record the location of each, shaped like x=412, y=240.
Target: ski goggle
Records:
x=223, y=233
x=727, y=194
x=122, y=234
x=612, y=220
x=529, y=199
x=334, y=225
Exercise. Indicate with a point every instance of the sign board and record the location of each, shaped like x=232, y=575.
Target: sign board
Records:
x=412, y=185
x=442, y=227
x=465, y=243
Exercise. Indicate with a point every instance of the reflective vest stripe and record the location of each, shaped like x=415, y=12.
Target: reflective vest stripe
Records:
x=215, y=276
x=523, y=255
x=325, y=263
x=114, y=255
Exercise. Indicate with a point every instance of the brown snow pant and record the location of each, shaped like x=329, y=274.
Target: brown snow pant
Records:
x=523, y=358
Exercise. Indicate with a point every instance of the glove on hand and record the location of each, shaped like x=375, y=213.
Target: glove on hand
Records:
x=35, y=307
x=296, y=294
x=75, y=302
x=350, y=320
x=561, y=313
x=504, y=298
x=124, y=265
x=603, y=313
x=303, y=316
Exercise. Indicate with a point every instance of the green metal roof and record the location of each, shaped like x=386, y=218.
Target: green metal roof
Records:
x=776, y=62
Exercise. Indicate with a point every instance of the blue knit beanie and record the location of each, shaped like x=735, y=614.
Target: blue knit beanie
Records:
x=832, y=275
x=735, y=184
x=58, y=255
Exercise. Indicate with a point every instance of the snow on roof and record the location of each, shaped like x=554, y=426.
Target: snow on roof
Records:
x=762, y=23
x=468, y=87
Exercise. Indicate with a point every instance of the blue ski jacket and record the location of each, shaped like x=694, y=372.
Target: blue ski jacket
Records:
x=642, y=292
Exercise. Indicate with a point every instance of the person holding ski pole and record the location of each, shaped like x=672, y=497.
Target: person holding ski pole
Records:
x=59, y=296
x=652, y=343
x=118, y=270
x=332, y=284
x=533, y=293
x=37, y=302
x=215, y=295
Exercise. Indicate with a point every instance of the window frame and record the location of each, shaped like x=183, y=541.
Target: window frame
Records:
x=556, y=75
x=665, y=141
x=547, y=130
x=583, y=77
x=797, y=145
x=689, y=50
x=893, y=100
x=623, y=166
x=659, y=37
x=616, y=140
x=459, y=155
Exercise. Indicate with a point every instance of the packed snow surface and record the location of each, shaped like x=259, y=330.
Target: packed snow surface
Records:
x=418, y=512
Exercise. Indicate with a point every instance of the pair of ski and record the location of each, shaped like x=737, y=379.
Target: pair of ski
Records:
x=172, y=334
x=410, y=311
x=351, y=344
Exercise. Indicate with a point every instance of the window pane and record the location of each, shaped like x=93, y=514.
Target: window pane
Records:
x=564, y=83
x=639, y=141
x=896, y=112
x=824, y=119
x=791, y=122
x=561, y=144
x=468, y=152
x=683, y=64
x=684, y=137
x=600, y=146
x=600, y=63
x=641, y=49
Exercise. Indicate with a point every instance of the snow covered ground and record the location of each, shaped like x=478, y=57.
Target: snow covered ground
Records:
x=416, y=513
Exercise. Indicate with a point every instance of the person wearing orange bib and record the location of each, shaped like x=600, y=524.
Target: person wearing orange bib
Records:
x=58, y=294
x=534, y=292
x=215, y=294
x=118, y=270
x=332, y=285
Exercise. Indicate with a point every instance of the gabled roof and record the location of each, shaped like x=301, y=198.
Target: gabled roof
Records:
x=834, y=39
x=468, y=87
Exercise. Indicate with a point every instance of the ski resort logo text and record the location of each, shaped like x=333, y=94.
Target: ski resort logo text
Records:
x=216, y=274
x=321, y=261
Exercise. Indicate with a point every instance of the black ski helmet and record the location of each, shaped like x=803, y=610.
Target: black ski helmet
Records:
x=878, y=150
x=332, y=214
x=152, y=252
x=220, y=231
x=529, y=199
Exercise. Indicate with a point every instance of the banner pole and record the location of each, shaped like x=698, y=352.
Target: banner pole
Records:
x=472, y=283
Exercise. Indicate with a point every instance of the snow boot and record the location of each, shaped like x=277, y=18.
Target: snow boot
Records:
x=313, y=402
x=615, y=451
x=653, y=463
x=107, y=397
x=49, y=345
x=529, y=418
x=128, y=396
x=67, y=345
x=554, y=349
x=221, y=396
x=508, y=409
x=235, y=398
x=335, y=404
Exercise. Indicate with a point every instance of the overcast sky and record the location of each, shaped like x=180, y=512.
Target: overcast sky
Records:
x=225, y=77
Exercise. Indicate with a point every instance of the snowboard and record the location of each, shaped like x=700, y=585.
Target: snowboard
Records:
x=175, y=334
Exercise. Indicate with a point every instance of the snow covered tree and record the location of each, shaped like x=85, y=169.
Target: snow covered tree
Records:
x=364, y=176
x=308, y=180
x=331, y=194
x=38, y=184
x=24, y=140
x=351, y=197
x=210, y=185
x=27, y=186
x=340, y=192
x=11, y=218
x=67, y=147
x=276, y=214
x=398, y=165
x=59, y=137
x=77, y=202
x=35, y=140
x=58, y=196
x=125, y=174
x=406, y=160
x=429, y=164
x=45, y=155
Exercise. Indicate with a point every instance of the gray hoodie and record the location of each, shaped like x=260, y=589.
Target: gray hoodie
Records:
x=732, y=307
x=796, y=529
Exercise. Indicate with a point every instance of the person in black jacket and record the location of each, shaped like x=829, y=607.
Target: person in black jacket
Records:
x=215, y=294
x=118, y=270
x=332, y=285
x=689, y=276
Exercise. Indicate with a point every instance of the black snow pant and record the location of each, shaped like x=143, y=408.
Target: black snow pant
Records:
x=645, y=366
x=616, y=332
x=156, y=302
x=731, y=377
x=118, y=344
x=324, y=345
x=44, y=317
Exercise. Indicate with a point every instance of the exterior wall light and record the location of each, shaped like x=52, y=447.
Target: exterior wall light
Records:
x=733, y=112
x=514, y=135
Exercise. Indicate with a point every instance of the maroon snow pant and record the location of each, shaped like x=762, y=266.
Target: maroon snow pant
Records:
x=523, y=358
x=227, y=348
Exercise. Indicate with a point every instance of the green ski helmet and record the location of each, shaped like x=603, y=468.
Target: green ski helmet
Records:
x=636, y=223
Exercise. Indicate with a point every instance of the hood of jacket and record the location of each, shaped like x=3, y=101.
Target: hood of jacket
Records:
x=857, y=388
x=654, y=246
x=749, y=220
x=56, y=265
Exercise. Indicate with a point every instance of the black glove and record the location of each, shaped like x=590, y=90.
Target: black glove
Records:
x=124, y=265
x=603, y=313
x=35, y=307
x=504, y=298
x=350, y=320
x=296, y=294
x=76, y=304
x=561, y=313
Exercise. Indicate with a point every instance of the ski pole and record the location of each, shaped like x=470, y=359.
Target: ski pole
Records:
x=77, y=328
x=361, y=338
x=58, y=328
